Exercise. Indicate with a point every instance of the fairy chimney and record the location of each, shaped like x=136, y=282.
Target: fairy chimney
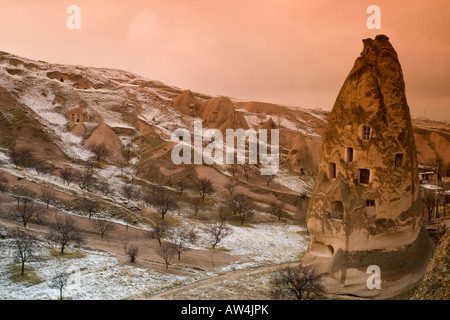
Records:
x=365, y=209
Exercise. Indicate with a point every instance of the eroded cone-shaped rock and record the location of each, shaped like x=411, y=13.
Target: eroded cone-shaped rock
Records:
x=220, y=113
x=365, y=209
x=186, y=104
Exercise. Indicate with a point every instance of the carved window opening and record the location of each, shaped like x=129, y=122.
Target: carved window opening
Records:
x=332, y=170
x=399, y=160
x=370, y=203
x=349, y=154
x=337, y=210
x=364, y=176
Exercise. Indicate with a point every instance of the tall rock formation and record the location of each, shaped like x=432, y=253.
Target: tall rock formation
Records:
x=365, y=209
x=219, y=113
x=186, y=104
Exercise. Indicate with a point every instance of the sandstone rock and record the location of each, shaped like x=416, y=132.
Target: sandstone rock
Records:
x=436, y=283
x=103, y=134
x=220, y=113
x=304, y=155
x=365, y=208
x=186, y=104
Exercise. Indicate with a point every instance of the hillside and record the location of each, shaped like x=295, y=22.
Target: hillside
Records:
x=104, y=135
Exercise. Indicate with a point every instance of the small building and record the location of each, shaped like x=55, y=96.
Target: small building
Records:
x=426, y=177
x=77, y=115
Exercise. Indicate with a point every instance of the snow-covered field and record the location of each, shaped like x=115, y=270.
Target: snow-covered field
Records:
x=96, y=276
x=99, y=276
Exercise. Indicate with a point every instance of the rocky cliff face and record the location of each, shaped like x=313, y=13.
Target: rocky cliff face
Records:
x=365, y=208
x=436, y=283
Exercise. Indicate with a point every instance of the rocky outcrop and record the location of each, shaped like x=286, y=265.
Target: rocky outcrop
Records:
x=436, y=283
x=304, y=155
x=219, y=113
x=365, y=209
x=103, y=134
x=76, y=80
x=186, y=104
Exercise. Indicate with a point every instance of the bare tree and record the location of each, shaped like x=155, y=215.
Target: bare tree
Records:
x=135, y=170
x=204, y=187
x=147, y=196
x=21, y=156
x=230, y=186
x=124, y=239
x=181, y=185
x=130, y=191
x=429, y=202
x=88, y=206
x=67, y=175
x=164, y=202
x=159, y=231
x=167, y=251
x=27, y=208
x=218, y=232
x=48, y=195
x=100, y=151
x=103, y=187
x=182, y=237
x=298, y=282
x=65, y=232
x=133, y=252
x=85, y=179
x=42, y=167
x=197, y=205
x=103, y=226
x=59, y=281
x=24, y=245
x=277, y=209
x=241, y=206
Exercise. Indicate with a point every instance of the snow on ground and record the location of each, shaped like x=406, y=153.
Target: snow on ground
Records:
x=261, y=243
x=293, y=182
x=96, y=276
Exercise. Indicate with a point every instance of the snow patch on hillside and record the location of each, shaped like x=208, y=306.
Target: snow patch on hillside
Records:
x=96, y=276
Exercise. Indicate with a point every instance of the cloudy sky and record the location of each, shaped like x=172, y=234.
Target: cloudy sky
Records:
x=290, y=52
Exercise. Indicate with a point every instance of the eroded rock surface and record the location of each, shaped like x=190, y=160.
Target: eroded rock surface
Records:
x=365, y=209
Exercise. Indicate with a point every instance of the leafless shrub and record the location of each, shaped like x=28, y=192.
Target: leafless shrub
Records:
x=241, y=206
x=100, y=151
x=167, y=251
x=204, y=187
x=298, y=282
x=130, y=191
x=182, y=237
x=59, y=281
x=277, y=209
x=88, y=206
x=67, y=175
x=133, y=252
x=24, y=245
x=103, y=226
x=159, y=231
x=48, y=195
x=64, y=231
x=27, y=208
x=21, y=156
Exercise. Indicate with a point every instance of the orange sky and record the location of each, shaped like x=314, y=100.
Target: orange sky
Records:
x=283, y=51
